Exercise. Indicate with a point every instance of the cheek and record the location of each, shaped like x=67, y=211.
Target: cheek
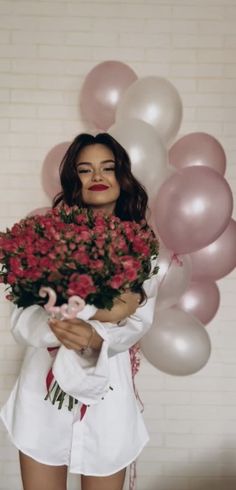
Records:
x=115, y=182
x=118, y=187
x=82, y=178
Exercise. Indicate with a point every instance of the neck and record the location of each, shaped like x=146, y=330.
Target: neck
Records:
x=109, y=209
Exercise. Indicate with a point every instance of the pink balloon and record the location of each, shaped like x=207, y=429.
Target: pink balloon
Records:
x=198, y=149
x=50, y=170
x=217, y=259
x=192, y=208
x=201, y=299
x=36, y=211
x=102, y=90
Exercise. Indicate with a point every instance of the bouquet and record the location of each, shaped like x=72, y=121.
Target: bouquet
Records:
x=76, y=252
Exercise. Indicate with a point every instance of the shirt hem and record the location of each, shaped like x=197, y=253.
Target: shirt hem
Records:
x=22, y=450
x=65, y=463
x=119, y=468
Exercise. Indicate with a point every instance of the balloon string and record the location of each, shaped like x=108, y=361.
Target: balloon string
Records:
x=168, y=268
x=175, y=258
x=132, y=476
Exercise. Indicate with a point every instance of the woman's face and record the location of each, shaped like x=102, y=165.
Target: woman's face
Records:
x=96, y=170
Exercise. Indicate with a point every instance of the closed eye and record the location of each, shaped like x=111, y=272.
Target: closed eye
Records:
x=86, y=170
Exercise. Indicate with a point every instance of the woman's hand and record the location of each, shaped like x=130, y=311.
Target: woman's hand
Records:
x=125, y=305
x=75, y=334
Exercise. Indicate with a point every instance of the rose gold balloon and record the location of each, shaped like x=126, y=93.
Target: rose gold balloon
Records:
x=50, y=170
x=201, y=299
x=193, y=207
x=177, y=343
x=198, y=149
x=217, y=259
x=102, y=90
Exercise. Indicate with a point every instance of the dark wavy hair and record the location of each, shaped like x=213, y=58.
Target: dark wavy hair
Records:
x=132, y=202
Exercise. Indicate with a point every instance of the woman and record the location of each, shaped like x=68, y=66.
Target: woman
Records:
x=96, y=173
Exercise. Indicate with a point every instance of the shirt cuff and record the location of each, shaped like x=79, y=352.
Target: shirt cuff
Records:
x=86, y=312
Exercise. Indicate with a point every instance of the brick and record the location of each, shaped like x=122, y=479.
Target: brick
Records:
x=214, y=114
x=12, y=81
x=119, y=53
x=55, y=112
x=15, y=22
x=216, y=56
x=212, y=27
x=65, y=24
x=196, y=41
x=65, y=52
x=159, y=40
x=17, y=51
x=230, y=42
x=119, y=25
x=229, y=71
x=201, y=12
x=4, y=95
x=36, y=96
x=35, y=37
x=93, y=38
x=38, y=8
x=107, y=10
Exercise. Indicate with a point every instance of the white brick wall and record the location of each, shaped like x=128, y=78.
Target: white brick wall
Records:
x=46, y=50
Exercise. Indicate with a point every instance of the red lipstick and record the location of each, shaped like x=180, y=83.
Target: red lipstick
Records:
x=98, y=187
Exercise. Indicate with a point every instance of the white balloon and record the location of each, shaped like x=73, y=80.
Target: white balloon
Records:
x=146, y=150
x=175, y=271
x=153, y=100
x=177, y=343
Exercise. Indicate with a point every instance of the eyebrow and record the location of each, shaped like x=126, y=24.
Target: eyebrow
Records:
x=89, y=163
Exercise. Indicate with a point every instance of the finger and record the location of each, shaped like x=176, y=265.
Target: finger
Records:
x=69, y=330
x=66, y=324
x=72, y=345
x=55, y=322
x=72, y=338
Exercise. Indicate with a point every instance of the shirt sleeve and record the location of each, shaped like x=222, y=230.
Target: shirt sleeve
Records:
x=29, y=326
x=120, y=338
x=89, y=384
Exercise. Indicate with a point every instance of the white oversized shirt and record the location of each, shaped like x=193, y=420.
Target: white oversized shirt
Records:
x=112, y=432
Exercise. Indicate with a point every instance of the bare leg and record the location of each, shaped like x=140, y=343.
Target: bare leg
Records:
x=36, y=476
x=113, y=482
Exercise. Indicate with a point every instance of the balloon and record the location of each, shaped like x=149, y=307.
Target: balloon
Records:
x=217, y=259
x=102, y=90
x=36, y=211
x=177, y=343
x=198, y=149
x=193, y=207
x=146, y=150
x=175, y=274
x=201, y=299
x=153, y=100
x=50, y=170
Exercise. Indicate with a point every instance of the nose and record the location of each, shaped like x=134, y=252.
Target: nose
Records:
x=97, y=176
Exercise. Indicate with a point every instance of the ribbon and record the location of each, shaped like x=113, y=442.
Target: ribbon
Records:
x=135, y=359
x=49, y=379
